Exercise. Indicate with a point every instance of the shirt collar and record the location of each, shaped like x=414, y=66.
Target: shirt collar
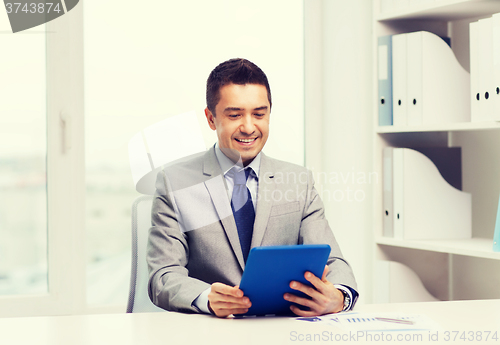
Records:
x=226, y=164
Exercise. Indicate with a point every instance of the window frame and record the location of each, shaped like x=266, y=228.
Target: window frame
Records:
x=65, y=176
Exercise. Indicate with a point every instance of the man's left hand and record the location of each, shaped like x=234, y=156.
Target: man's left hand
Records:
x=325, y=298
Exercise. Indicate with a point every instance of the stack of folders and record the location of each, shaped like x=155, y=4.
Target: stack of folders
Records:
x=485, y=69
x=420, y=81
x=422, y=195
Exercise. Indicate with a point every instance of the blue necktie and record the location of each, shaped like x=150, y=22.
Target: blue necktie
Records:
x=243, y=211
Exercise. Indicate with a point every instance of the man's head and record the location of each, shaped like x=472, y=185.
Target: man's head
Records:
x=238, y=108
x=235, y=71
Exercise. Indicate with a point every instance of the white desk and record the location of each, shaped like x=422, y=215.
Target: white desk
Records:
x=175, y=328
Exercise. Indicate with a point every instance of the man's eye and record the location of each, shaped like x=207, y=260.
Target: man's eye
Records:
x=233, y=115
x=259, y=115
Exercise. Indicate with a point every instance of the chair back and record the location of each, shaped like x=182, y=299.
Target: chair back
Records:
x=138, y=301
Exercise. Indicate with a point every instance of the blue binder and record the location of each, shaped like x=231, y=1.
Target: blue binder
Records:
x=385, y=81
x=496, y=235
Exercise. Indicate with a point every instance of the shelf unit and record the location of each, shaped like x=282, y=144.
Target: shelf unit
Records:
x=475, y=247
x=444, y=266
x=452, y=127
x=448, y=10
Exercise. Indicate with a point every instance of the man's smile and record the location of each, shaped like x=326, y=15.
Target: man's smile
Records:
x=246, y=140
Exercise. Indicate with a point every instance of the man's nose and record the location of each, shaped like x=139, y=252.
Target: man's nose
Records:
x=247, y=125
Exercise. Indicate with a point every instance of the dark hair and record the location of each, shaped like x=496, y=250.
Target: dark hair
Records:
x=234, y=71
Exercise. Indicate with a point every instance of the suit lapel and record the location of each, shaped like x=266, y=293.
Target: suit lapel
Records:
x=264, y=199
x=216, y=187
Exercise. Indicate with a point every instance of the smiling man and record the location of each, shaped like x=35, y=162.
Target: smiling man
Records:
x=211, y=209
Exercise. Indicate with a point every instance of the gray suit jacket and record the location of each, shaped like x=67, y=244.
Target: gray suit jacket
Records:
x=193, y=241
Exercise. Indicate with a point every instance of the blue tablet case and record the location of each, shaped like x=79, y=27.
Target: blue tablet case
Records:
x=269, y=271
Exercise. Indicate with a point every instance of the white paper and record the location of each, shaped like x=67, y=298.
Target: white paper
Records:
x=370, y=322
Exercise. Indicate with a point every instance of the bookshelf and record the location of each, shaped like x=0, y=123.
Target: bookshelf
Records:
x=475, y=247
x=457, y=261
x=448, y=10
x=451, y=127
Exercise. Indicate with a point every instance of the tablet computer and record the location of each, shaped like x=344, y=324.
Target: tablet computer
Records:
x=269, y=271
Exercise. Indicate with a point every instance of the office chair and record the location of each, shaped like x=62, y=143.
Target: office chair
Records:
x=138, y=300
x=147, y=155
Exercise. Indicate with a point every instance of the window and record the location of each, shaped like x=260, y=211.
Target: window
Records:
x=41, y=163
x=23, y=170
x=68, y=172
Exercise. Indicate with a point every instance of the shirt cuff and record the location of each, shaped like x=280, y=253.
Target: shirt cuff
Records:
x=201, y=302
x=349, y=293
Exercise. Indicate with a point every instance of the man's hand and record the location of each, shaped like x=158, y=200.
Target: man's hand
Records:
x=224, y=300
x=325, y=298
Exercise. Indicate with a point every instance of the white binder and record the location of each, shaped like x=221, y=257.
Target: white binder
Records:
x=475, y=88
x=388, y=193
x=438, y=87
x=445, y=85
x=428, y=207
x=398, y=190
x=399, y=80
x=415, y=78
x=496, y=66
x=486, y=69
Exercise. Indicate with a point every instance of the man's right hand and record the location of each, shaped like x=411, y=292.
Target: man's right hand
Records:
x=224, y=300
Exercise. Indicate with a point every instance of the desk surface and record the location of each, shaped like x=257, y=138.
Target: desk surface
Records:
x=176, y=328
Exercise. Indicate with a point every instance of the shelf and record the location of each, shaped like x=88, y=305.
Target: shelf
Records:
x=445, y=10
x=448, y=127
x=463, y=260
x=476, y=247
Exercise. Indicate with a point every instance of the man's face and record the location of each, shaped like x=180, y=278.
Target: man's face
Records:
x=241, y=121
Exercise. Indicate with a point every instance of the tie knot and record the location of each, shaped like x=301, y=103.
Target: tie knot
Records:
x=241, y=176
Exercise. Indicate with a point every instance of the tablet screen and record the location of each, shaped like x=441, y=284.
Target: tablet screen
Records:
x=269, y=271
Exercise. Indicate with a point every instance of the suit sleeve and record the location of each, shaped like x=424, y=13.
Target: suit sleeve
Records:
x=169, y=286
x=315, y=229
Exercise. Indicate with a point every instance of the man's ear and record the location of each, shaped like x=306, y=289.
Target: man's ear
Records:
x=210, y=118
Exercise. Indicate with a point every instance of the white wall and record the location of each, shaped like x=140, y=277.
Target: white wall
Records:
x=146, y=63
x=343, y=167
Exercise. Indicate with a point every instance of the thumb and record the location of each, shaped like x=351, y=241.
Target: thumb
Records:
x=325, y=272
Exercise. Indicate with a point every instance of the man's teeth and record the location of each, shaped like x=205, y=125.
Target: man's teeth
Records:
x=246, y=140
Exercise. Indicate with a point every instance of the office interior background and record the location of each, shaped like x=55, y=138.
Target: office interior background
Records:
x=74, y=91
